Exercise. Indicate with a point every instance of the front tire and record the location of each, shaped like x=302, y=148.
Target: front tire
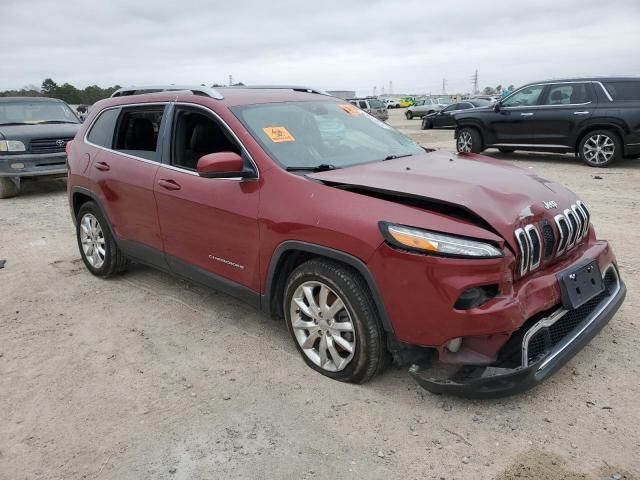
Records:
x=333, y=321
x=426, y=124
x=468, y=141
x=409, y=114
x=98, y=248
x=600, y=148
x=9, y=187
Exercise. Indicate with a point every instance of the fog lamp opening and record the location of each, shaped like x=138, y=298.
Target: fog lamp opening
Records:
x=454, y=345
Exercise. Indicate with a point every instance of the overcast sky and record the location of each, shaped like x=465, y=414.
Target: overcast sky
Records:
x=347, y=44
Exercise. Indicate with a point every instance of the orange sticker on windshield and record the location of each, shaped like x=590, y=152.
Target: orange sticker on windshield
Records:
x=278, y=134
x=350, y=109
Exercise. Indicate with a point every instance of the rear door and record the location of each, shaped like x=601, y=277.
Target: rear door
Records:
x=563, y=109
x=513, y=124
x=123, y=174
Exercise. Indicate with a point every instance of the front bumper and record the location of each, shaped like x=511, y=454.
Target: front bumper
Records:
x=30, y=165
x=494, y=381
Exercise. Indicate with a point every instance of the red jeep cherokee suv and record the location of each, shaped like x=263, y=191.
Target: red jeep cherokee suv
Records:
x=483, y=277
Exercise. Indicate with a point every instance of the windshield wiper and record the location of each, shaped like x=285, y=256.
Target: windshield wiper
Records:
x=323, y=167
x=393, y=157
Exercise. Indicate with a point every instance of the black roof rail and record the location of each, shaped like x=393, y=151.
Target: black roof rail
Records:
x=140, y=90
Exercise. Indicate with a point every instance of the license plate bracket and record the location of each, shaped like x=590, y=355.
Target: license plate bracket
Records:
x=580, y=284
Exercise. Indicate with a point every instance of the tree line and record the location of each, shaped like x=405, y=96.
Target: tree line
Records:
x=66, y=92
x=69, y=93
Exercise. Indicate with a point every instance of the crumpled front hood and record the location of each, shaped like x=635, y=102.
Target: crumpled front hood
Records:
x=504, y=196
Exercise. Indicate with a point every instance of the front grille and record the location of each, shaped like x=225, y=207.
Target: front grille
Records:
x=546, y=337
x=571, y=227
x=48, y=145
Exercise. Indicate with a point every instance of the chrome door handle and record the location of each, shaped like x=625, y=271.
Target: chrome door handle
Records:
x=526, y=114
x=581, y=113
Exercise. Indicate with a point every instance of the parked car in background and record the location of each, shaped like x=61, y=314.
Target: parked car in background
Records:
x=33, y=135
x=597, y=118
x=406, y=102
x=372, y=106
x=445, y=118
x=425, y=106
x=392, y=102
x=392, y=251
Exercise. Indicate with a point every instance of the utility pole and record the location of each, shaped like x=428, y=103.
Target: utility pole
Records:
x=444, y=86
x=374, y=90
x=474, y=78
x=230, y=80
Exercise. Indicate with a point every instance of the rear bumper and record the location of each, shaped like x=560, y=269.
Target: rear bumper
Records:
x=491, y=381
x=30, y=165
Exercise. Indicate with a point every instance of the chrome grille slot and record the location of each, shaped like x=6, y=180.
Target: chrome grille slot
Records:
x=563, y=228
x=573, y=223
x=587, y=216
x=535, y=246
x=523, y=243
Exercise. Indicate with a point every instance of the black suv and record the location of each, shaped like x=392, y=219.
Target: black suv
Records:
x=33, y=134
x=598, y=118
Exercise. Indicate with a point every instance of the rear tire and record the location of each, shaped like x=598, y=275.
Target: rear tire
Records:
x=409, y=114
x=98, y=248
x=9, y=187
x=330, y=313
x=600, y=148
x=468, y=141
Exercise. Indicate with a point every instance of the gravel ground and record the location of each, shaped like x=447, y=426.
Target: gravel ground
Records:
x=149, y=377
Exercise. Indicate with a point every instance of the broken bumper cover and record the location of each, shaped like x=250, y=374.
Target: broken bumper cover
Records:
x=491, y=382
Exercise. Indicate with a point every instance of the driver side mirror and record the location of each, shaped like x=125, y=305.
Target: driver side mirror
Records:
x=496, y=106
x=222, y=165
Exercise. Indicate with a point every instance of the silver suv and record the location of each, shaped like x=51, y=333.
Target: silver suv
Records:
x=425, y=106
x=372, y=106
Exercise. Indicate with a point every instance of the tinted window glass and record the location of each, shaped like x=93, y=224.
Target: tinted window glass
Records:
x=101, y=132
x=567, y=94
x=362, y=105
x=624, y=91
x=137, y=131
x=196, y=135
x=524, y=98
x=450, y=108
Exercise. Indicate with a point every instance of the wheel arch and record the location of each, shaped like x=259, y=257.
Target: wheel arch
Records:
x=289, y=254
x=587, y=129
x=80, y=196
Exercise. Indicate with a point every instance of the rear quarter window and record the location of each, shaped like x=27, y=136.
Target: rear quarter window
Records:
x=101, y=132
x=624, y=91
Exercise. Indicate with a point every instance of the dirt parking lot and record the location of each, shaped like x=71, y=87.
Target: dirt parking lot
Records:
x=148, y=377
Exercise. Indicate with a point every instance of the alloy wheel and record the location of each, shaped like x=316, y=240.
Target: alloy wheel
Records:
x=465, y=142
x=598, y=149
x=92, y=240
x=322, y=326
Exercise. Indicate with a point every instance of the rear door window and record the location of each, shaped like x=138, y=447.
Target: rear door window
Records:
x=568, y=94
x=137, y=131
x=101, y=133
x=628, y=91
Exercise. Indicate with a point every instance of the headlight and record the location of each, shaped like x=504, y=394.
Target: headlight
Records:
x=11, y=146
x=437, y=243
